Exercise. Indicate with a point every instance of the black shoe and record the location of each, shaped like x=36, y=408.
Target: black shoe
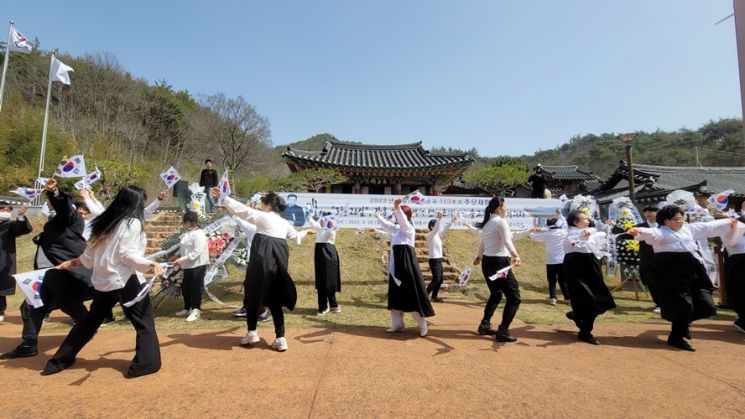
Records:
x=588, y=337
x=503, y=335
x=53, y=367
x=264, y=317
x=570, y=315
x=240, y=313
x=108, y=321
x=485, y=329
x=21, y=351
x=437, y=299
x=680, y=343
x=687, y=335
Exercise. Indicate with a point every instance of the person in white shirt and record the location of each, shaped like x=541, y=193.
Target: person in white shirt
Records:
x=590, y=296
x=326, y=261
x=193, y=259
x=406, y=290
x=553, y=238
x=683, y=286
x=646, y=256
x=497, y=252
x=115, y=253
x=437, y=228
x=734, y=272
x=268, y=282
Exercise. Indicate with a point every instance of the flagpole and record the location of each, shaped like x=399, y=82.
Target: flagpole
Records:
x=5, y=63
x=46, y=120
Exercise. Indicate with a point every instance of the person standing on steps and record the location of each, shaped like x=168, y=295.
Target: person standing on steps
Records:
x=208, y=180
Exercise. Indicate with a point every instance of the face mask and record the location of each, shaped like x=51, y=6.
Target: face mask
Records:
x=4, y=215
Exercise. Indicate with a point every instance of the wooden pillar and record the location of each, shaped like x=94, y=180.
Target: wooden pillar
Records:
x=357, y=188
x=396, y=188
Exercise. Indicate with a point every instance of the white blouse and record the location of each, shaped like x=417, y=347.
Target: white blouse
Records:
x=401, y=233
x=664, y=239
x=267, y=223
x=434, y=239
x=120, y=256
x=554, y=240
x=736, y=248
x=322, y=235
x=496, y=238
x=193, y=249
x=576, y=242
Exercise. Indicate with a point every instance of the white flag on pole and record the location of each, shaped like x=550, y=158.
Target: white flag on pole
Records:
x=89, y=180
x=170, y=177
x=19, y=43
x=72, y=167
x=30, y=284
x=60, y=71
x=501, y=274
x=224, y=185
x=28, y=193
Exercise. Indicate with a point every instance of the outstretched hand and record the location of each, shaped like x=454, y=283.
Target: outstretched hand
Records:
x=215, y=192
x=51, y=185
x=163, y=194
x=397, y=204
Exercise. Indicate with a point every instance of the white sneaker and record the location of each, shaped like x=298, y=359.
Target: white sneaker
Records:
x=336, y=309
x=194, y=314
x=2, y=318
x=181, y=313
x=657, y=310
x=280, y=344
x=250, y=339
x=552, y=301
x=324, y=312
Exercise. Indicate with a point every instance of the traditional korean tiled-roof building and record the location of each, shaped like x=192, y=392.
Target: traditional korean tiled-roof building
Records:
x=569, y=180
x=382, y=169
x=653, y=183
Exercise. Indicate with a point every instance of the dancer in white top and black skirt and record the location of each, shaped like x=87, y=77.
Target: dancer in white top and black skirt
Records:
x=115, y=253
x=495, y=251
x=682, y=283
x=406, y=289
x=268, y=283
x=734, y=271
x=328, y=274
x=590, y=296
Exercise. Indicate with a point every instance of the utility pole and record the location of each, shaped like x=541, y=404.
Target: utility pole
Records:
x=740, y=35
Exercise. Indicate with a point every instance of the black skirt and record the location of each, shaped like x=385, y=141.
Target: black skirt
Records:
x=267, y=280
x=734, y=271
x=682, y=286
x=411, y=295
x=328, y=275
x=584, y=278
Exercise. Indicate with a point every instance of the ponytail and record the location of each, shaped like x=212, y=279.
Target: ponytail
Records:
x=495, y=203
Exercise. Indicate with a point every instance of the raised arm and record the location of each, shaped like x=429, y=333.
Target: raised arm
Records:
x=711, y=228
x=313, y=223
x=388, y=226
x=238, y=209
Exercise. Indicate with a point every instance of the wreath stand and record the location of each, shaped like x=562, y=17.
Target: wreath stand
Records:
x=635, y=284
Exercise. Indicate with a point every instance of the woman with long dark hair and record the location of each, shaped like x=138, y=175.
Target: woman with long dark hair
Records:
x=496, y=252
x=326, y=262
x=682, y=284
x=268, y=283
x=406, y=290
x=590, y=296
x=734, y=271
x=115, y=253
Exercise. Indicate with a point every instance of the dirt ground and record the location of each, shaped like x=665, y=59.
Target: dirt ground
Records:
x=363, y=372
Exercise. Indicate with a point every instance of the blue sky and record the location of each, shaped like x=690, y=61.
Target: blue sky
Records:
x=506, y=77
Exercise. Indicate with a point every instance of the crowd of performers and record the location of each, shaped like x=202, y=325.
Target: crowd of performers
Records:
x=97, y=254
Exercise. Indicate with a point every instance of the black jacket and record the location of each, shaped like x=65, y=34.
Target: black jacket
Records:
x=9, y=230
x=62, y=238
x=208, y=178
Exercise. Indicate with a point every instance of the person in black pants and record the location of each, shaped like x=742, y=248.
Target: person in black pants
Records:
x=497, y=252
x=61, y=240
x=538, y=183
x=646, y=256
x=208, y=180
x=118, y=231
x=9, y=231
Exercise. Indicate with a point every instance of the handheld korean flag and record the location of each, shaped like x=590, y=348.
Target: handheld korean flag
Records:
x=90, y=179
x=30, y=284
x=72, y=167
x=501, y=274
x=18, y=42
x=415, y=197
x=42, y=180
x=224, y=185
x=28, y=193
x=170, y=177
x=721, y=199
x=329, y=223
x=465, y=277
